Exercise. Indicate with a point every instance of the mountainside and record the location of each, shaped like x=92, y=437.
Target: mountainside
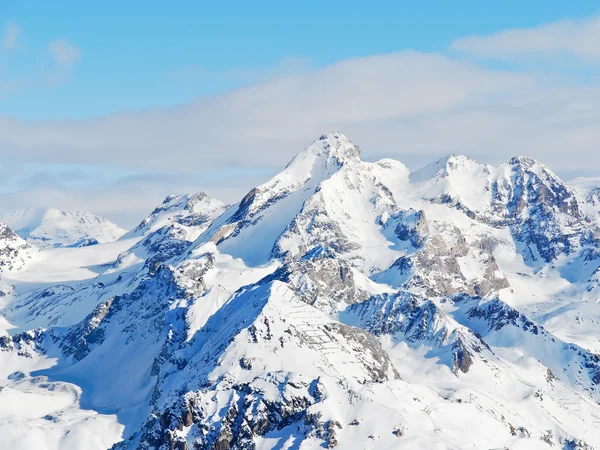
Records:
x=51, y=228
x=341, y=304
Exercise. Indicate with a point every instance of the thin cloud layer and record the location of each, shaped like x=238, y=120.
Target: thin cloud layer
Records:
x=576, y=38
x=411, y=106
x=64, y=53
x=125, y=200
x=266, y=124
x=395, y=105
x=10, y=36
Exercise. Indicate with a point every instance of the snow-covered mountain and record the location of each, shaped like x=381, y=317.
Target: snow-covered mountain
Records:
x=341, y=304
x=51, y=228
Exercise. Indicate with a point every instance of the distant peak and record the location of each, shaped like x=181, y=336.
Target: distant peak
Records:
x=195, y=202
x=52, y=227
x=442, y=167
x=182, y=199
x=334, y=135
x=524, y=161
x=454, y=158
x=452, y=161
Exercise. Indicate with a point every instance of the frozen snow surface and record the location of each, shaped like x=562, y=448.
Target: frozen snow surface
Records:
x=341, y=304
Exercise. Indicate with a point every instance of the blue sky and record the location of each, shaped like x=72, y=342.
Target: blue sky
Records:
x=110, y=106
x=135, y=55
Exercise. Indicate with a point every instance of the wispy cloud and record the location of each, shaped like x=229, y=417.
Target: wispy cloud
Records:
x=125, y=199
x=10, y=36
x=64, y=56
x=575, y=38
x=265, y=124
x=63, y=52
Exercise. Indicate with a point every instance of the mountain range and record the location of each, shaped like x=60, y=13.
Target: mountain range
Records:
x=342, y=304
x=52, y=228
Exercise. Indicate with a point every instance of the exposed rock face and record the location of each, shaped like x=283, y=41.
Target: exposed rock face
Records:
x=435, y=268
x=415, y=320
x=170, y=229
x=576, y=444
x=322, y=280
x=545, y=212
x=247, y=414
x=495, y=320
x=535, y=187
x=90, y=332
x=225, y=413
x=499, y=315
x=463, y=358
x=14, y=251
x=24, y=344
x=320, y=229
x=412, y=227
x=541, y=211
x=166, y=243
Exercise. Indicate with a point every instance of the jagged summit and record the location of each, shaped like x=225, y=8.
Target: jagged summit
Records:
x=315, y=163
x=15, y=252
x=271, y=206
x=185, y=209
x=525, y=161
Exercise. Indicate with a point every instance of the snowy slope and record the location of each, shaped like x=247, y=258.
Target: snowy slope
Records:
x=341, y=304
x=51, y=228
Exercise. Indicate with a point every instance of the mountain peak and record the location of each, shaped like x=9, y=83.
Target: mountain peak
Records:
x=338, y=145
x=315, y=163
x=331, y=147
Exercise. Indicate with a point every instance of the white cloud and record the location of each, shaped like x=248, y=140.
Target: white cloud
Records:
x=266, y=124
x=410, y=106
x=576, y=38
x=63, y=52
x=10, y=36
x=124, y=200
